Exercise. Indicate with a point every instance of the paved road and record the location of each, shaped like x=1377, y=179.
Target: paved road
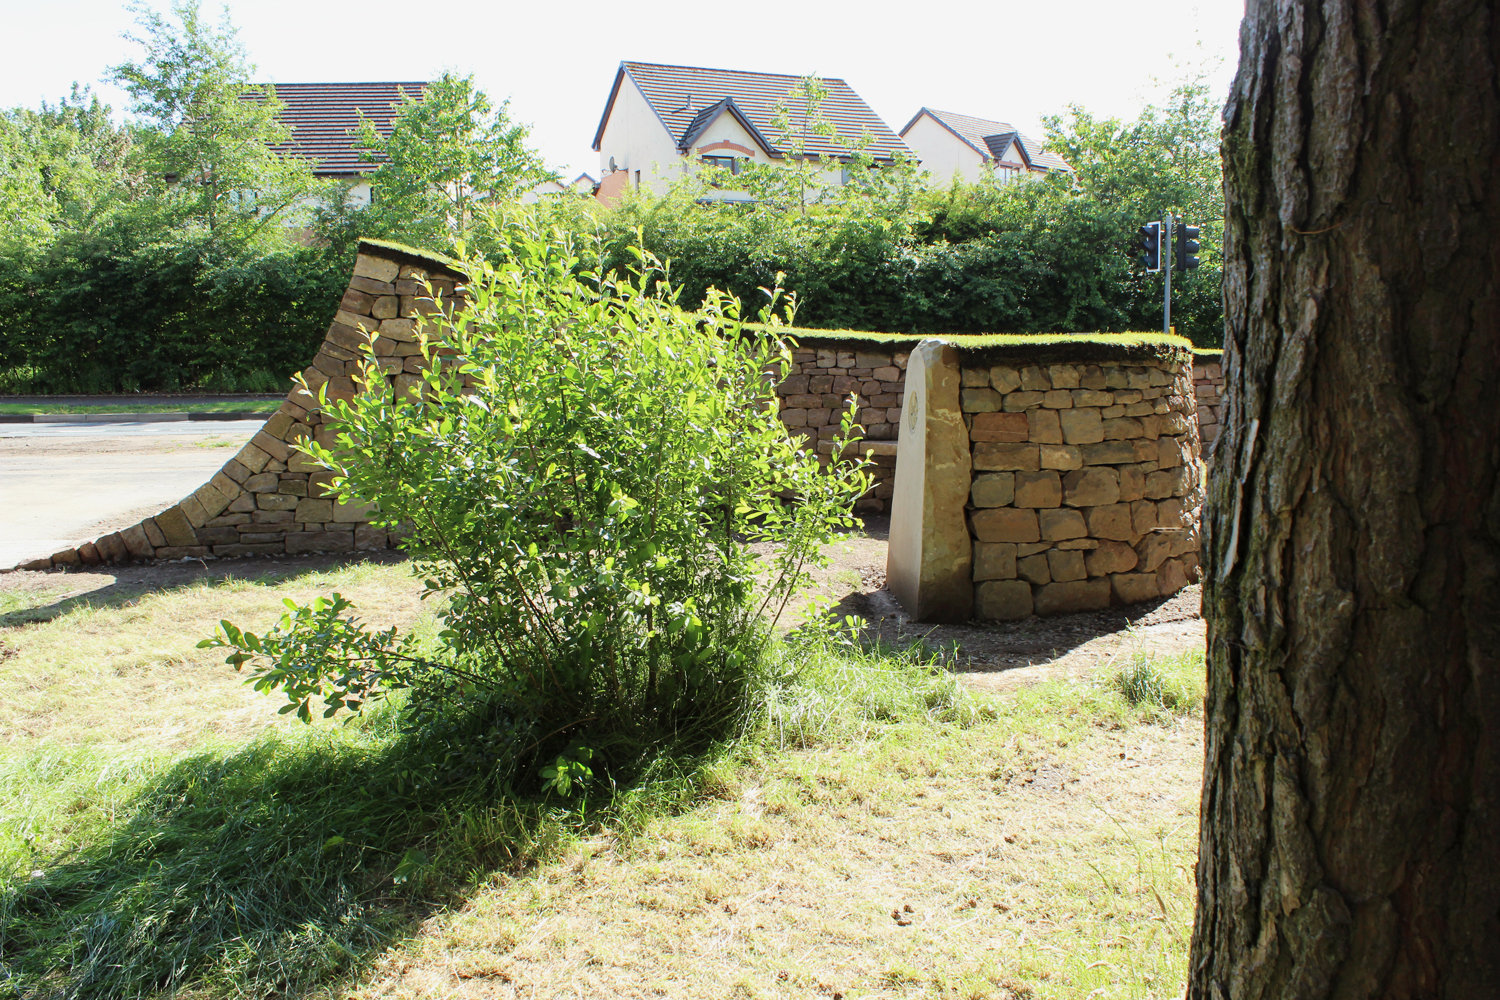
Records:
x=61, y=484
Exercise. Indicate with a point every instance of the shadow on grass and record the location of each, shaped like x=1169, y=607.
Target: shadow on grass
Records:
x=264, y=869
x=130, y=583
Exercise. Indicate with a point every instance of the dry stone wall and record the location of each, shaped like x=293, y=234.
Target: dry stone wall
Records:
x=1086, y=487
x=270, y=499
x=1208, y=389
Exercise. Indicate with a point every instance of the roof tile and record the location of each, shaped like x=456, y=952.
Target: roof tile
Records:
x=325, y=116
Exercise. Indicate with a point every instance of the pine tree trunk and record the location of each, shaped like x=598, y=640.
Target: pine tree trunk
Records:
x=1350, y=842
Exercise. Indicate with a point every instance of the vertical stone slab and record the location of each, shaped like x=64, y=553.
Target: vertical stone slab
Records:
x=930, y=557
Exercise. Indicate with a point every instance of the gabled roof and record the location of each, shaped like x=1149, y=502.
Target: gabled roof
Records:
x=325, y=116
x=686, y=97
x=990, y=139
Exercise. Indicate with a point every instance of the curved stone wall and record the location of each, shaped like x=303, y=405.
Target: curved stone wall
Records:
x=270, y=499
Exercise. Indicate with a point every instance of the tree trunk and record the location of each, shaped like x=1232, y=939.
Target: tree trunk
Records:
x=1350, y=842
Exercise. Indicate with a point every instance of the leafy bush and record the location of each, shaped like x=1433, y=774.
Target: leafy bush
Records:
x=591, y=476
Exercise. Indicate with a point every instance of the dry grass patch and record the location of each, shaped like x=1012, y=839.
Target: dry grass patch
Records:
x=1045, y=852
x=112, y=658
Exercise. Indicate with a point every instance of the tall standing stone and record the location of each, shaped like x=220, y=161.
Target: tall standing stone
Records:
x=930, y=557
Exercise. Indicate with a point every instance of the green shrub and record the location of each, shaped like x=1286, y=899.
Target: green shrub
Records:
x=591, y=478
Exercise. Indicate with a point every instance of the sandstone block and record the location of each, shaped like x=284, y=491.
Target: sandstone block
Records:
x=994, y=561
x=1018, y=401
x=136, y=542
x=1061, y=523
x=66, y=557
x=357, y=302
x=1066, y=565
x=1108, y=453
x=243, y=549
x=1025, y=549
x=1005, y=524
x=1153, y=550
x=1141, y=409
x=793, y=385
x=1111, y=522
x=154, y=533
x=175, y=527
x=1111, y=557
x=367, y=538
x=1122, y=428
x=1092, y=397
x=802, y=400
x=1004, y=379
x=970, y=378
x=294, y=488
x=1111, y=413
x=794, y=417
x=282, y=516
x=319, y=541
x=1002, y=600
x=1116, y=378
x=887, y=374
x=211, y=500
x=1150, y=425
x=979, y=400
x=1143, y=516
x=1169, y=453
x=871, y=359
x=37, y=564
x=230, y=520
x=276, y=425
x=112, y=548
x=1081, y=426
x=275, y=501
x=386, y=307
x=1003, y=456
x=1091, y=377
x=1171, y=577
x=313, y=510
x=88, y=554
x=1063, y=457
x=376, y=269
x=225, y=485
x=235, y=471
x=1034, y=569
x=1163, y=483
x=1093, y=486
x=261, y=537
x=1073, y=596
x=1063, y=376
x=1057, y=399
x=274, y=449
x=1132, y=588
x=1038, y=489
x=993, y=489
x=218, y=536
x=1046, y=426
x=991, y=426
x=371, y=287
x=1078, y=544
x=1132, y=483
x=351, y=513
x=252, y=458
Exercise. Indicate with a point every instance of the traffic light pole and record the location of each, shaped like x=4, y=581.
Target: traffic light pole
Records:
x=1166, y=266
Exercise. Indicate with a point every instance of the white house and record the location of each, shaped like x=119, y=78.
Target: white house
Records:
x=663, y=121
x=973, y=148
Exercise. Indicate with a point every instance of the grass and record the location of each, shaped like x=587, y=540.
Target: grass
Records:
x=126, y=406
x=1043, y=841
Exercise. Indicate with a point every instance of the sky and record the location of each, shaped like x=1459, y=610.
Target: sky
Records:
x=998, y=59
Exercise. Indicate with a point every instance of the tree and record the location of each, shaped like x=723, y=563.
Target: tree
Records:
x=1350, y=839
x=207, y=134
x=450, y=151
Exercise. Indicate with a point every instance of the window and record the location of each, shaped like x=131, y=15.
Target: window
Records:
x=729, y=163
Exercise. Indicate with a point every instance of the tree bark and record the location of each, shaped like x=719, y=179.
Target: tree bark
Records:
x=1350, y=840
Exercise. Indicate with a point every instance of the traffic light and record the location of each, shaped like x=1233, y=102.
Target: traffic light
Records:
x=1186, y=238
x=1148, y=244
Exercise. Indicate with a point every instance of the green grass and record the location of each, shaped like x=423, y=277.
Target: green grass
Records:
x=126, y=406
x=288, y=860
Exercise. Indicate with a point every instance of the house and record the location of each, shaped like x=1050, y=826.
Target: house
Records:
x=661, y=122
x=973, y=148
x=325, y=119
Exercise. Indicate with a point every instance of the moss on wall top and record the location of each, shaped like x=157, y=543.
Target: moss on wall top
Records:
x=1028, y=348
x=389, y=250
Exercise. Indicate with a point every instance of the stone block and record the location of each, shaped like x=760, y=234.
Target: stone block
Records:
x=252, y=458
x=233, y=470
x=1063, y=457
x=276, y=501
x=112, y=548
x=1171, y=577
x=1132, y=483
x=66, y=557
x=1111, y=522
x=274, y=449
x=154, y=533
x=1004, y=379
x=1073, y=596
x=1092, y=397
x=1061, y=523
x=1002, y=600
x=1046, y=426
x=1123, y=428
x=1091, y=377
x=242, y=504
x=1066, y=565
x=212, y=500
x=172, y=552
x=272, y=516
x=353, y=513
x=175, y=527
x=1004, y=456
x=794, y=416
x=229, y=519
x=793, y=385
x=1005, y=524
x=295, y=487
x=1015, y=402
x=1063, y=376
x=1034, y=569
x=993, y=489
x=994, y=561
x=386, y=307
x=1078, y=544
x=871, y=359
x=357, y=302
x=229, y=487
x=261, y=537
x=1038, y=489
x=1164, y=483
x=1169, y=514
x=1111, y=557
x=243, y=549
x=36, y=564
x=88, y=554
x=1150, y=425
x=929, y=558
x=979, y=400
x=990, y=426
x=1153, y=550
x=375, y=268
x=1092, y=486
x=316, y=511
x=1142, y=516
x=969, y=378
x=367, y=538
x=1169, y=453
x=804, y=400
x=1081, y=426
x=1108, y=453
x=319, y=541
x=887, y=375
x=224, y=535
x=1133, y=588
x=1057, y=399
x=136, y=542
x=1034, y=379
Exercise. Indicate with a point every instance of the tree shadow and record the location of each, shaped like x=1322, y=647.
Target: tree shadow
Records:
x=267, y=868
x=113, y=587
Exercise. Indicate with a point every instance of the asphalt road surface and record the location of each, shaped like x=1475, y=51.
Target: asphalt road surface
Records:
x=61, y=484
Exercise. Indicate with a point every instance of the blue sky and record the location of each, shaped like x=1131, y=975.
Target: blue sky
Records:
x=1004, y=60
